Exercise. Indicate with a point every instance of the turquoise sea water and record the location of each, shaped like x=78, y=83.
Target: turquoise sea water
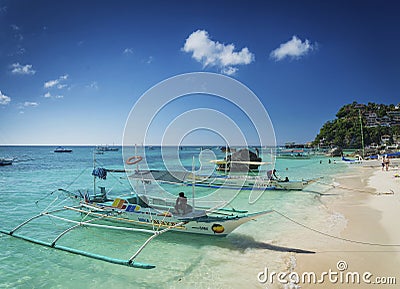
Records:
x=182, y=260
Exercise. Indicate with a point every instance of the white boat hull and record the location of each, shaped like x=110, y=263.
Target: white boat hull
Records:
x=253, y=183
x=158, y=217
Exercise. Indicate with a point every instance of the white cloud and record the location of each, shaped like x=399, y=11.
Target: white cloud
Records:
x=150, y=59
x=213, y=53
x=51, y=83
x=61, y=86
x=17, y=32
x=22, y=69
x=294, y=48
x=128, y=51
x=20, y=51
x=4, y=99
x=56, y=82
x=229, y=70
x=30, y=104
x=93, y=85
x=15, y=27
x=48, y=95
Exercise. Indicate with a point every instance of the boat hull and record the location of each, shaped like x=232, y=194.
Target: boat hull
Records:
x=251, y=183
x=196, y=222
x=6, y=162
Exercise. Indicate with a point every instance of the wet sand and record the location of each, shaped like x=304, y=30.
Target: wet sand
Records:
x=369, y=199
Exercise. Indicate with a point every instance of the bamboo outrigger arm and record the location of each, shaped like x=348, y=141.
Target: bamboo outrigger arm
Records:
x=130, y=262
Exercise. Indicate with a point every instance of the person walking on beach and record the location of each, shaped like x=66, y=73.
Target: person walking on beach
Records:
x=383, y=163
x=387, y=163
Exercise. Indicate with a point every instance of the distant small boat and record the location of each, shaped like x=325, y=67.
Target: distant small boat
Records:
x=357, y=160
x=62, y=150
x=292, y=154
x=106, y=149
x=5, y=162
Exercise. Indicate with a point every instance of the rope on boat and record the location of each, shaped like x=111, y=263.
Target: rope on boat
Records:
x=332, y=236
x=391, y=192
x=112, y=175
x=70, y=184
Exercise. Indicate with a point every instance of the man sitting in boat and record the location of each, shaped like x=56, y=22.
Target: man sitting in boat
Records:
x=181, y=206
x=271, y=174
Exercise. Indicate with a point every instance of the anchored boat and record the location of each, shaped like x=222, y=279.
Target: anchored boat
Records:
x=62, y=150
x=132, y=213
x=6, y=162
x=232, y=181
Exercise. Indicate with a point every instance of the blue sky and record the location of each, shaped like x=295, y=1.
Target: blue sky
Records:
x=70, y=71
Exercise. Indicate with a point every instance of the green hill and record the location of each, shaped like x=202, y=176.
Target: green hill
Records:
x=378, y=120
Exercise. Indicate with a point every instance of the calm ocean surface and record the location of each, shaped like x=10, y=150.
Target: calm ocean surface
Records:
x=182, y=260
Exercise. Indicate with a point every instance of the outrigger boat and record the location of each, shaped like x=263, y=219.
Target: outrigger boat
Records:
x=159, y=213
x=142, y=213
x=232, y=181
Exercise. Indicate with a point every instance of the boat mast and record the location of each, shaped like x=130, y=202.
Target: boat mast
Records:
x=193, y=182
x=226, y=158
x=137, y=169
x=362, y=134
x=94, y=177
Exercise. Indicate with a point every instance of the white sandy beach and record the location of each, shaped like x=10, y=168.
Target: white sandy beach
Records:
x=370, y=202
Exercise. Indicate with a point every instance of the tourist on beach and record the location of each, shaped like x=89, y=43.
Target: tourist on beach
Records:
x=387, y=163
x=181, y=203
x=383, y=163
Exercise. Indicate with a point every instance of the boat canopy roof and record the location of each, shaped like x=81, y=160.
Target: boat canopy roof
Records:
x=174, y=177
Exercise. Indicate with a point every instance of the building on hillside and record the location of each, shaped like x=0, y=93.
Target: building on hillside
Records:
x=385, y=121
x=396, y=139
x=359, y=106
x=371, y=119
x=394, y=116
x=385, y=138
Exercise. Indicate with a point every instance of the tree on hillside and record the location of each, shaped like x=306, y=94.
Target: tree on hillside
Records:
x=345, y=130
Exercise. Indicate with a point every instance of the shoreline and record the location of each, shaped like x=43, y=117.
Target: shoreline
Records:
x=372, y=216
